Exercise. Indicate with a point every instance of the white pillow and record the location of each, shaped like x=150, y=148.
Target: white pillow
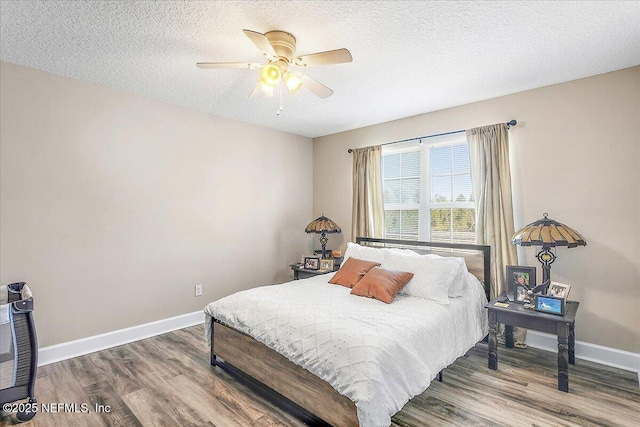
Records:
x=472, y=280
x=457, y=284
x=362, y=252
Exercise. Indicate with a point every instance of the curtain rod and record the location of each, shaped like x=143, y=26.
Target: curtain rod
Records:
x=509, y=124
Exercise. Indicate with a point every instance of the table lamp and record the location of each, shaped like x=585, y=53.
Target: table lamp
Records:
x=548, y=234
x=323, y=226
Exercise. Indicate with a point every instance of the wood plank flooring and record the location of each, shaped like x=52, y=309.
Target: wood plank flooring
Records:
x=167, y=381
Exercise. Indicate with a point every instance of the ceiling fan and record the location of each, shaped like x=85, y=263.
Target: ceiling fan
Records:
x=279, y=48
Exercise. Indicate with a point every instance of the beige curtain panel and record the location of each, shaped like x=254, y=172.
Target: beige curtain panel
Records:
x=368, y=206
x=491, y=177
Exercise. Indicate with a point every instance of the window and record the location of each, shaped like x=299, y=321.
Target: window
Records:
x=427, y=190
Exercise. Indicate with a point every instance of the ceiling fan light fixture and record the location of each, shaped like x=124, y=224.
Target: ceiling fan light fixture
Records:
x=268, y=90
x=279, y=48
x=293, y=81
x=270, y=74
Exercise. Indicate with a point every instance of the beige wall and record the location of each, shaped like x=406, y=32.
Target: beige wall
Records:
x=113, y=206
x=574, y=154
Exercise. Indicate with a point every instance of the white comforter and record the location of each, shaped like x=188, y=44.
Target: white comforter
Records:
x=378, y=355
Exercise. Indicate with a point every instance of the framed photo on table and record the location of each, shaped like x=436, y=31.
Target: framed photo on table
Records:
x=549, y=304
x=519, y=280
x=312, y=263
x=326, y=264
x=560, y=290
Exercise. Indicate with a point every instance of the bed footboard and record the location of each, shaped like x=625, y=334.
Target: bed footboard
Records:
x=278, y=379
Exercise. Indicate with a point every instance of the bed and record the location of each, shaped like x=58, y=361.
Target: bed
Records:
x=333, y=358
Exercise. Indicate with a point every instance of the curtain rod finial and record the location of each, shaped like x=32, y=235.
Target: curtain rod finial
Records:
x=349, y=151
x=511, y=123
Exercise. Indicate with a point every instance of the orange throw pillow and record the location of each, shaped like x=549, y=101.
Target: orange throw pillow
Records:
x=352, y=271
x=381, y=284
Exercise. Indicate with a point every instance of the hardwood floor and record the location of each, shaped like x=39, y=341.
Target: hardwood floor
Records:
x=167, y=381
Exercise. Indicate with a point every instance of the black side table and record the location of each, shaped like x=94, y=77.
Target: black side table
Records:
x=304, y=273
x=516, y=315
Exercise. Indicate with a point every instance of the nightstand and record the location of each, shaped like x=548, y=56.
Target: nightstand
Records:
x=304, y=273
x=516, y=315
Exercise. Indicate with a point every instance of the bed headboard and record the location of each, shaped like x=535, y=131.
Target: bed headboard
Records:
x=477, y=257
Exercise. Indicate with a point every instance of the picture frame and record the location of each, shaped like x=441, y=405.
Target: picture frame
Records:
x=326, y=264
x=312, y=263
x=557, y=289
x=550, y=304
x=519, y=278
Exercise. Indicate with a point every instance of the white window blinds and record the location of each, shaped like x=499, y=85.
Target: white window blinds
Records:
x=427, y=190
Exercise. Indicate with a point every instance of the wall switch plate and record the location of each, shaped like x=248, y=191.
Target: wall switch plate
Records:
x=198, y=290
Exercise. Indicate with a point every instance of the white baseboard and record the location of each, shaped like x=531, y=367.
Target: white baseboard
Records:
x=67, y=350
x=592, y=352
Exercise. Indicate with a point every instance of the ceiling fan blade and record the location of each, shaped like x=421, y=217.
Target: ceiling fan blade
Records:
x=317, y=88
x=337, y=56
x=262, y=44
x=257, y=92
x=227, y=65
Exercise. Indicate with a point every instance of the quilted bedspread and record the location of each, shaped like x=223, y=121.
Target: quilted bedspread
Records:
x=378, y=355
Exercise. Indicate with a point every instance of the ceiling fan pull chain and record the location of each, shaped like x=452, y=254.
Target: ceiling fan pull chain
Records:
x=280, y=109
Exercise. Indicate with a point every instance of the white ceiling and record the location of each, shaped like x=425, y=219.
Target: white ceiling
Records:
x=409, y=57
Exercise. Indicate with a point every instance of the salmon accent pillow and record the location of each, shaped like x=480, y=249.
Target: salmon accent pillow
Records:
x=381, y=284
x=352, y=271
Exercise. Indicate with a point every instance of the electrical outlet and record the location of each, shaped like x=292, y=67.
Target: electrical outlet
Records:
x=198, y=290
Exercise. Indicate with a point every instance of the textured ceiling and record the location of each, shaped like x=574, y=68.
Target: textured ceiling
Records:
x=410, y=57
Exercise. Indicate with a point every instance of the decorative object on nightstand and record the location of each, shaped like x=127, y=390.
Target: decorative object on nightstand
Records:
x=299, y=272
x=323, y=226
x=557, y=289
x=550, y=304
x=311, y=263
x=521, y=281
x=326, y=264
x=548, y=234
x=523, y=288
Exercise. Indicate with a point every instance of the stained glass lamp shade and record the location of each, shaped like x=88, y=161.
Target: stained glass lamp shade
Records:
x=548, y=234
x=323, y=226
